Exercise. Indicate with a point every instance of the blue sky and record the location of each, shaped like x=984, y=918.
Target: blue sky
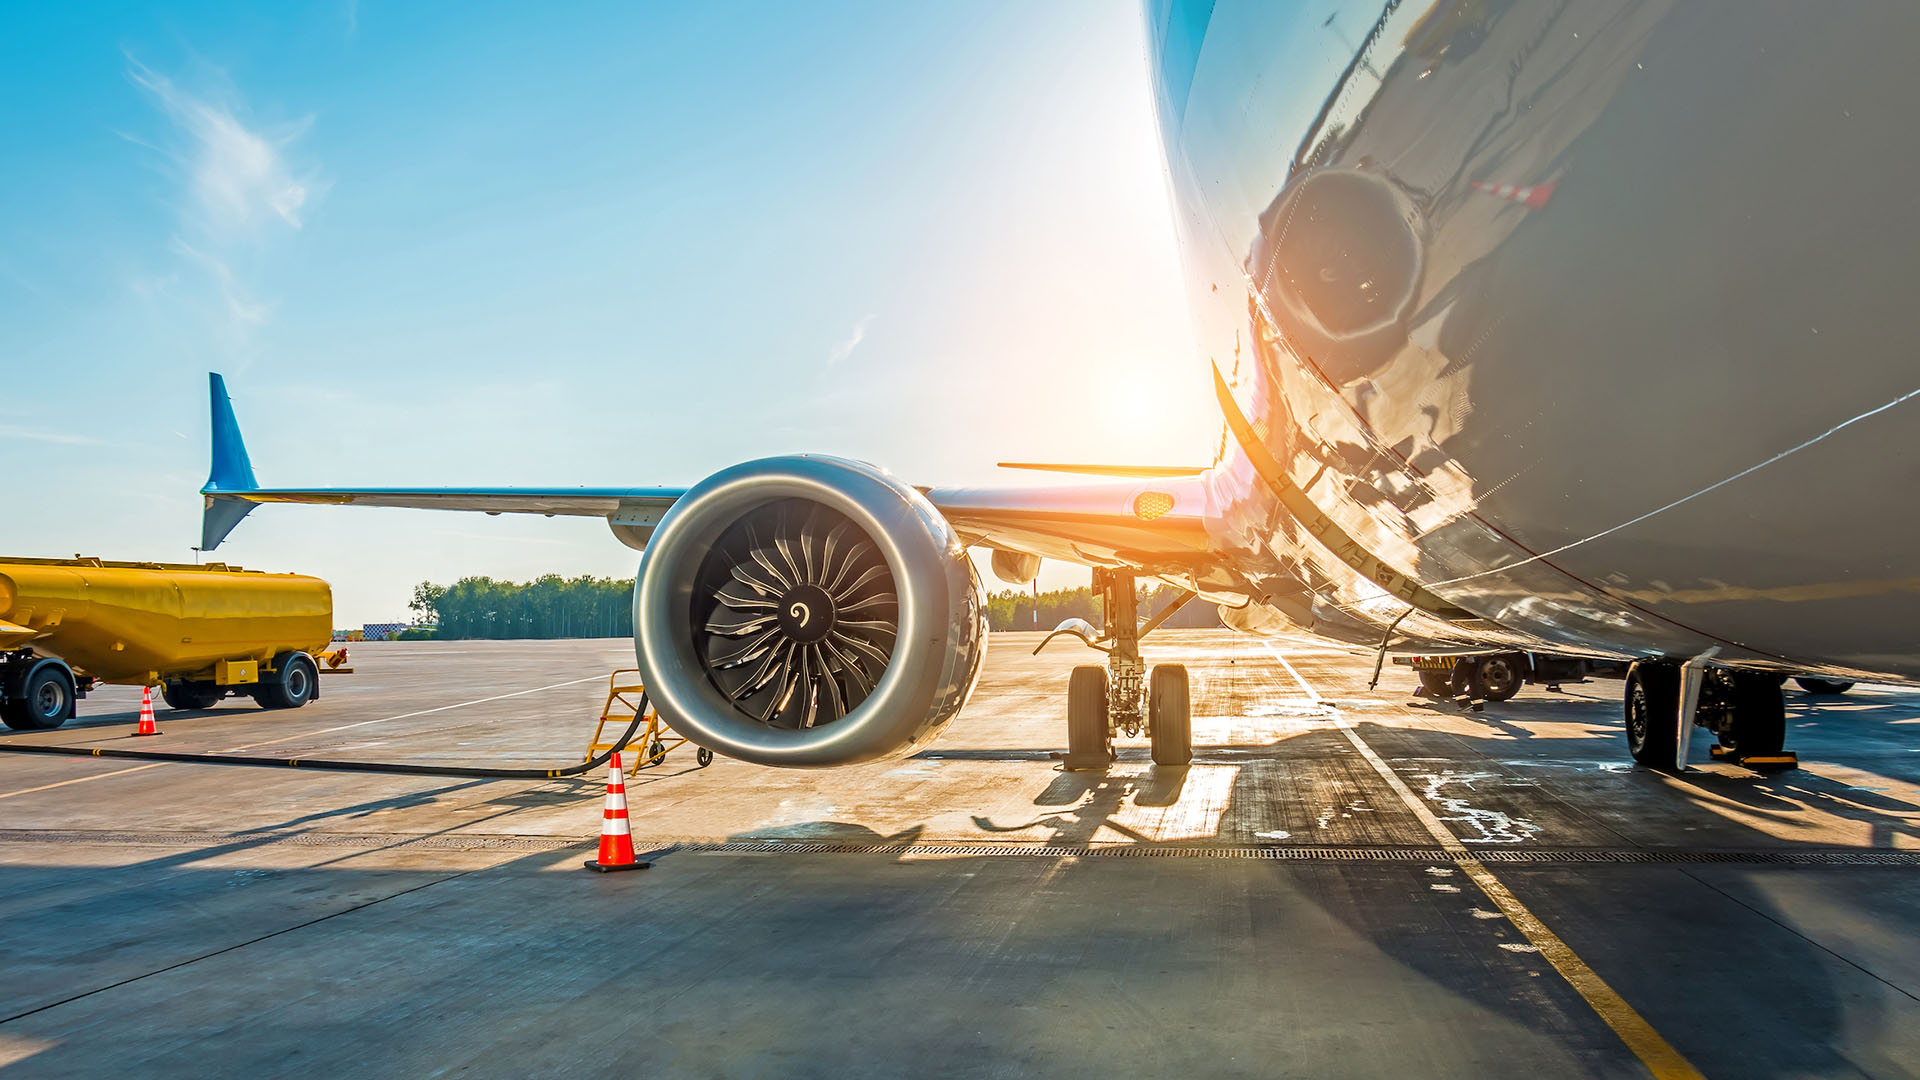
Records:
x=604, y=244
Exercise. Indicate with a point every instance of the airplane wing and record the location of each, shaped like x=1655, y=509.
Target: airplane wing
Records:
x=232, y=492
x=1144, y=517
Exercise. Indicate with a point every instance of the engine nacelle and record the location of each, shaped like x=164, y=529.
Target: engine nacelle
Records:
x=807, y=611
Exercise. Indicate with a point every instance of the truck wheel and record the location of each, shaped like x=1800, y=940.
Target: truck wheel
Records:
x=1437, y=683
x=1653, y=710
x=190, y=696
x=1497, y=677
x=294, y=682
x=1823, y=686
x=44, y=702
x=1170, y=715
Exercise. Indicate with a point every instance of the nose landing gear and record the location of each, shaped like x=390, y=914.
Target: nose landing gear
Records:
x=1123, y=697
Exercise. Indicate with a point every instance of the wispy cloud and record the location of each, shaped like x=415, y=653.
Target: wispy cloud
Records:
x=238, y=188
x=239, y=176
x=12, y=433
x=242, y=310
x=843, y=349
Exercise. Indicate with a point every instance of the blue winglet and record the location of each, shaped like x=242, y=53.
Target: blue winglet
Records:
x=231, y=471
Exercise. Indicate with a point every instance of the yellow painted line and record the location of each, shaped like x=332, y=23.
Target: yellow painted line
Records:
x=1658, y=1055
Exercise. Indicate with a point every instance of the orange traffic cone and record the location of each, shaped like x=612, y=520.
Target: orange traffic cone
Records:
x=147, y=726
x=616, y=836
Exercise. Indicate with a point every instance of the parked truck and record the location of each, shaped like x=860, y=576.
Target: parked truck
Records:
x=200, y=633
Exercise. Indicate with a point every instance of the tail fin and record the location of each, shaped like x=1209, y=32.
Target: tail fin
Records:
x=231, y=471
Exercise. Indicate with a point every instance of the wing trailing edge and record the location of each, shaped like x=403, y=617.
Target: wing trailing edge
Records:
x=232, y=491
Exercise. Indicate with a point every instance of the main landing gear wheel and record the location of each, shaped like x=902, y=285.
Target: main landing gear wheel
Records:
x=1497, y=677
x=1823, y=686
x=1089, y=746
x=1169, y=715
x=1653, y=712
x=1758, y=726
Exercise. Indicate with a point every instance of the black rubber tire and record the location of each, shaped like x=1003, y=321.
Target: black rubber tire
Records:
x=293, y=682
x=1170, y=715
x=1759, y=717
x=1088, y=745
x=1497, y=677
x=703, y=757
x=43, y=702
x=190, y=696
x=1652, y=707
x=1823, y=686
x=1437, y=683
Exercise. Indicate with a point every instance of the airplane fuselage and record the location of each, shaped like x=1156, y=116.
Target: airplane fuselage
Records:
x=1579, y=327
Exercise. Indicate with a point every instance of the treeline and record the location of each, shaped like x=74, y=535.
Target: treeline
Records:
x=546, y=607
x=1014, y=609
x=557, y=607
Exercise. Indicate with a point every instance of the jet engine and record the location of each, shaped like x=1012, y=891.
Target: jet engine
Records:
x=807, y=611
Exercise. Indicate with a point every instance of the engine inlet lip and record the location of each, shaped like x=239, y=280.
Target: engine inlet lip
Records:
x=882, y=507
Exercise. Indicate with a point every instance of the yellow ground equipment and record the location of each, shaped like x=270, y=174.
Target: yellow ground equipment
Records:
x=652, y=742
x=199, y=632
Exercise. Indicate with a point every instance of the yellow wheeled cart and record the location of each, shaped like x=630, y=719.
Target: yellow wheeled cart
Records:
x=654, y=739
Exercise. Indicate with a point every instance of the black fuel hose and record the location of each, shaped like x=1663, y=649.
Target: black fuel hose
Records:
x=336, y=765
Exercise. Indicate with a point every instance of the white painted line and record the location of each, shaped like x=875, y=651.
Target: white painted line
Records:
x=302, y=735
x=404, y=716
x=79, y=779
x=1312, y=694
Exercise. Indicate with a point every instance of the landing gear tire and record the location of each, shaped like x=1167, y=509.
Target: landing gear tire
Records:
x=293, y=682
x=1497, y=677
x=1823, y=686
x=1088, y=743
x=1170, y=715
x=1759, y=727
x=44, y=700
x=1652, y=712
x=1437, y=683
x=189, y=696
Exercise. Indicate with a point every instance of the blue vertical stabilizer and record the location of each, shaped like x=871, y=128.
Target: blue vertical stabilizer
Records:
x=231, y=471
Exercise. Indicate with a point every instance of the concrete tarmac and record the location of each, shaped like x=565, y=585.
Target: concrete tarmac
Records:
x=1344, y=883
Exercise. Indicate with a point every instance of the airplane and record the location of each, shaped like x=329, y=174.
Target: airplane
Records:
x=1587, y=337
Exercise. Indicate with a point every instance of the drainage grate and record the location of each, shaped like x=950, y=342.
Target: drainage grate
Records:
x=1844, y=857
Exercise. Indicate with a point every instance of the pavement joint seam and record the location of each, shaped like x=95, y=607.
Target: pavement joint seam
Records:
x=230, y=948
x=1814, y=858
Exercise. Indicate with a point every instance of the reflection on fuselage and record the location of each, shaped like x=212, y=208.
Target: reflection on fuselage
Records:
x=1510, y=292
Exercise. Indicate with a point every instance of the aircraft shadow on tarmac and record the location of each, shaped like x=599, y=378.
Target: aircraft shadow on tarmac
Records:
x=1718, y=957
x=1669, y=937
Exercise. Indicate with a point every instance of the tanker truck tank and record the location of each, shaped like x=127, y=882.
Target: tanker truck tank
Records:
x=199, y=632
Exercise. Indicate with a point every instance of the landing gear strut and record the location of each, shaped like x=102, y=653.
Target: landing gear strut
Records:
x=1745, y=709
x=1121, y=698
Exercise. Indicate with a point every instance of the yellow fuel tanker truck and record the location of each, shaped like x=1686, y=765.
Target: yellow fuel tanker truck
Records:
x=198, y=632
